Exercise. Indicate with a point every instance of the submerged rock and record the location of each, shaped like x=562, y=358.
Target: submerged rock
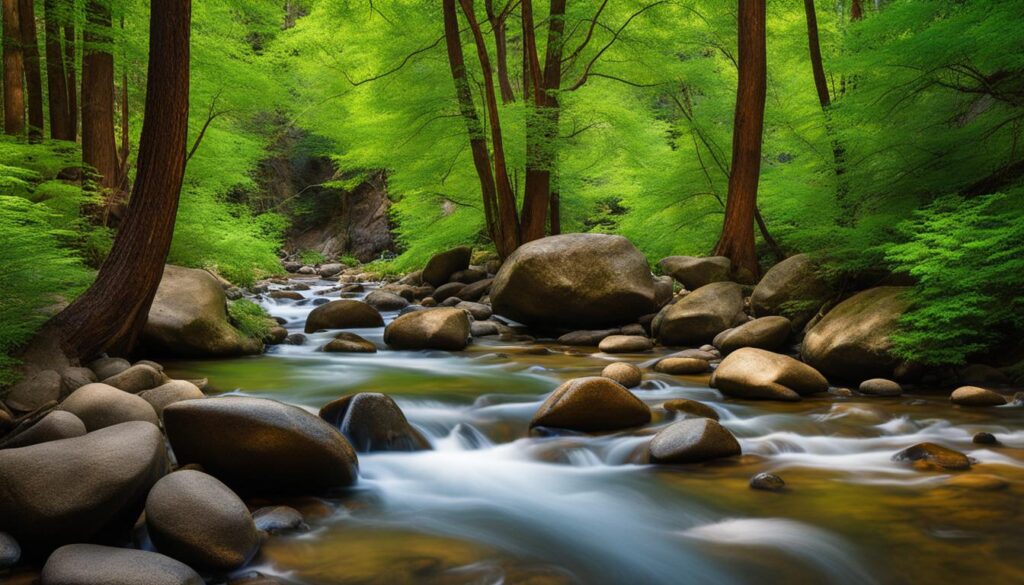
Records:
x=278, y=519
x=373, y=422
x=932, y=455
x=693, y=441
x=591, y=405
x=348, y=342
x=343, y=314
x=767, y=482
x=92, y=564
x=757, y=374
x=441, y=328
x=691, y=407
x=974, y=396
x=701, y=315
x=628, y=375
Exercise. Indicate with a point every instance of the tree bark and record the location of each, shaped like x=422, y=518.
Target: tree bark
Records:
x=737, y=239
x=14, y=70
x=814, y=46
x=99, y=148
x=497, y=20
x=32, y=64
x=112, y=313
x=56, y=76
x=856, y=10
x=70, y=65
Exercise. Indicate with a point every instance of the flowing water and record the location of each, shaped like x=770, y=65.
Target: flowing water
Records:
x=491, y=504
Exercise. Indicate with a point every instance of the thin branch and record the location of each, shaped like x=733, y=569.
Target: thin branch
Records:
x=590, y=65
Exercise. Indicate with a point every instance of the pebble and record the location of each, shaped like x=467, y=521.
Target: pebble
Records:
x=767, y=482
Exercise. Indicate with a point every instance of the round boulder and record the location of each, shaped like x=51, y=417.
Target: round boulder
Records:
x=793, y=288
x=166, y=394
x=193, y=517
x=701, y=315
x=475, y=291
x=136, y=379
x=448, y=291
x=682, y=366
x=91, y=564
x=441, y=328
x=765, y=333
x=441, y=267
x=348, y=342
x=100, y=405
x=628, y=375
x=757, y=374
x=343, y=314
x=591, y=405
x=974, y=396
x=55, y=426
x=694, y=272
x=576, y=281
x=693, y=441
x=260, y=445
x=880, y=387
x=373, y=422
x=479, y=311
x=625, y=344
x=386, y=301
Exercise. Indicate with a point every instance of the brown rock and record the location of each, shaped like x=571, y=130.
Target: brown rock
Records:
x=343, y=314
x=693, y=441
x=762, y=375
x=701, y=315
x=682, y=366
x=591, y=405
x=974, y=396
x=628, y=375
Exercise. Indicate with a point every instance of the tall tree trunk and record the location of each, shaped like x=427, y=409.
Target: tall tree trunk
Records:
x=507, y=215
x=99, y=148
x=542, y=126
x=497, y=21
x=14, y=71
x=70, y=65
x=111, y=314
x=32, y=63
x=814, y=46
x=856, y=10
x=737, y=239
x=125, y=149
x=56, y=76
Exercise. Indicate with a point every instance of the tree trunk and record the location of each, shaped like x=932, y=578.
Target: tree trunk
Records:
x=111, y=314
x=99, y=149
x=125, y=149
x=32, y=63
x=500, y=51
x=856, y=10
x=737, y=239
x=507, y=215
x=56, y=76
x=70, y=66
x=14, y=71
x=814, y=45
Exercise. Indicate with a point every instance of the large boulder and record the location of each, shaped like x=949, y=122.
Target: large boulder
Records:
x=193, y=517
x=35, y=390
x=99, y=405
x=56, y=425
x=91, y=564
x=852, y=341
x=693, y=440
x=189, y=318
x=260, y=445
x=974, y=396
x=442, y=266
x=71, y=489
x=762, y=375
x=763, y=333
x=701, y=315
x=694, y=272
x=591, y=405
x=167, y=394
x=373, y=422
x=440, y=328
x=383, y=300
x=793, y=288
x=575, y=281
x=343, y=314
x=136, y=379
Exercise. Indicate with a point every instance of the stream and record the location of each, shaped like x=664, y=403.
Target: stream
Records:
x=492, y=504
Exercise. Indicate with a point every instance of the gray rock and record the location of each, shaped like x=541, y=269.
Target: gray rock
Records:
x=92, y=564
x=373, y=422
x=767, y=482
x=343, y=314
x=100, y=405
x=386, y=301
x=628, y=375
x=440, y=328
x=793, y=288
x=693, y=441
x=757, y=374
x=167, y=394
x=625, y=344
x=694, y=272
x=586, y=338
x=10, y=551
x=109, y=366
x=441, y=267
x=475, y=291
x=55, y=426
x=278, y=519
x=483, y=328
x=193, y=517
x=765, y=333
x=701, y=315
x=35, y=391
x=479, y=311
x=136, y=379
x=591, y=405
x=880, y=387
x=74, y=378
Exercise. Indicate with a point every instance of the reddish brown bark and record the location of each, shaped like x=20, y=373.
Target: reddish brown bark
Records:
x=99, y=148
x=14, y=70
x=111, y=314
x=71, y=66
x=737, y=239
x=856, y=10
x=814, y=46
x=33, y=77
x=56, y=76
x=497, y=21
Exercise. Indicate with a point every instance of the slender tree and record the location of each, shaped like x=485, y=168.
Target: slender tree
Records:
x=856, y=10
x=737, y=239
x=56, y=75
x=498, y=28
x=814, y=46
x=98, y=145
x=33, y=78
x=111, y=314
x=70, y=65
x=14, y=70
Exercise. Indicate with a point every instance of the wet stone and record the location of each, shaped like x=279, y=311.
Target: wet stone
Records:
x=767, y=482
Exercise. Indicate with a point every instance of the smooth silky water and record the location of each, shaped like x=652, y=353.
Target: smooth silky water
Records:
x=491, y=504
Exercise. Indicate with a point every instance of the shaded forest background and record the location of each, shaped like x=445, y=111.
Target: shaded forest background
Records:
x=908, y=167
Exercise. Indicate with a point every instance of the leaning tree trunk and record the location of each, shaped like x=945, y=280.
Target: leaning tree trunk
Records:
x=737, y=239
x=56, y=76
x=14, y=70
x=98, y=146
x=497, y=21
x=111, y=314
x=70, y=38
x=33, y=78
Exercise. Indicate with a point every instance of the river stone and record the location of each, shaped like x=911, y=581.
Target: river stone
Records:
x=475, y=291
x=707, y=355
x=10, y=551
x=691, y=407
x=974, y=396
x=386, y=301
x=440, y=328
x=307, y=270
x=193, y=517
x=983, y=438
x=852, y=340
x=74, y=378
x=768, y=482
x=441, y=267
x=109, y=366
x=295, y=339
x=70, y=489
x=693, y=440
x=586, y=338
x=479, y=311
x=880, y=387
x=136, y=379
x=682, y=366
x=469, y=276
x=591, y=405
x=574, y=280
x=332, y=269
x=167, y=394
x=628, y=375
x=932, y=455
x=35, y=391
x=448, y=291
x=663, y=291
x=348, y=342
x=373, y=422
x=793, y=288
x=100, y=405
x=92, y=564
x=56, y=425
x=276, y=335
x=483, y=328
x=285, y=294
x=625, y=344
x=757, y=374
x=701, y=315
x=694, y=272
x=189, y=318
x=765, y=333
x=343, y=314
x=260, y=445
x=278, y=519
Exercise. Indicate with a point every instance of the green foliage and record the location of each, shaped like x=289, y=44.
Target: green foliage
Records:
x=966, y=255
x=349, y=261
x=250, y=319
x=311, y=257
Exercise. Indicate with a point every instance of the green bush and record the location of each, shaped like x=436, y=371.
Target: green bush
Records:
x=311, y=257
x=250, y=318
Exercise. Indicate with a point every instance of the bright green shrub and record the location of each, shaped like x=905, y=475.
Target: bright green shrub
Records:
x=250, y=318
